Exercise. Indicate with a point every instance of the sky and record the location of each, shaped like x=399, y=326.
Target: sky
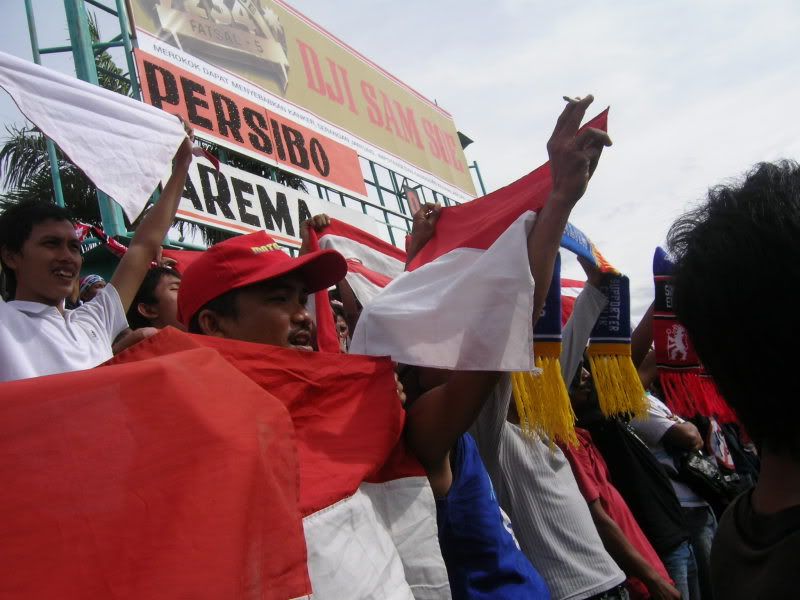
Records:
x=699, y=90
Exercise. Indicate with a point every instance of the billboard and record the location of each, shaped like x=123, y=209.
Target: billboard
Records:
x=241, y=202
x=265, y=52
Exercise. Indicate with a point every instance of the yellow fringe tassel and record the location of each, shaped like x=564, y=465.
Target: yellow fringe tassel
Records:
x=619, y=388
x=542, y=399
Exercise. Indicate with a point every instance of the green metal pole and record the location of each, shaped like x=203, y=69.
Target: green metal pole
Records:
x=85, y=68
x=58, y=192
x=124, y=23
x=474, y=165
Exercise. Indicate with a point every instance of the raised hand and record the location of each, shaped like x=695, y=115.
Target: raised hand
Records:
x=423, y=227
x=573, y=155
x=318, y=223
x=594, y=276
x=183, y=156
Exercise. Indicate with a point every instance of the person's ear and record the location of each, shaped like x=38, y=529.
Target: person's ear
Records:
x=10, y=258
x=147, y=311
x=210, y=323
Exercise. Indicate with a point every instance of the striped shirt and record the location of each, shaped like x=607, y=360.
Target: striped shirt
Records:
x=537, y=489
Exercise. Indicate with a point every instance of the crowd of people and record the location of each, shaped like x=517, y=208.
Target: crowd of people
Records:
x=519, y=515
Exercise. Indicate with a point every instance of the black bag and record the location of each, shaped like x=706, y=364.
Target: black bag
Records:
x=701, y=473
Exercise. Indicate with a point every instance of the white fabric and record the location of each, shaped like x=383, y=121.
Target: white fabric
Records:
x=36, y=339
x=446, y=313
x=407, y=509
x=536, y=487
x=571, y=292
x=369, y=257
x=379, y=543
x=588, y=306
x=364, y=289
x=124, y=146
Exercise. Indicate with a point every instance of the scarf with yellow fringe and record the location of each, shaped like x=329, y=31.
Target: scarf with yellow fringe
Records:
x=619, y=389
x=541, y=398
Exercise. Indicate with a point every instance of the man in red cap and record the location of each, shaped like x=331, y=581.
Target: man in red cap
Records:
x=248, y=289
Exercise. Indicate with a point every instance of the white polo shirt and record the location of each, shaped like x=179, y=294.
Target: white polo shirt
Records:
x=36, y=339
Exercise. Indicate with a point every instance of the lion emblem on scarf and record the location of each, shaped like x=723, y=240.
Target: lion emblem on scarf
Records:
x=677, y=342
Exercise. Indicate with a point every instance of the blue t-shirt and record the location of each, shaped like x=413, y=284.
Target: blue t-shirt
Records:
x=482, y=557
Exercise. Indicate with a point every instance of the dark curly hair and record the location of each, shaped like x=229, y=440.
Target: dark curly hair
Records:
x=736, y=280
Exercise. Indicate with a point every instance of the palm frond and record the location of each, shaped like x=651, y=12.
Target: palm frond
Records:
x=23, y=155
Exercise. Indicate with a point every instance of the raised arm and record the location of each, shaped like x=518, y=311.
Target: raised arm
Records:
x=588, y=306
x=441, y=415
x=151, y=231
x=446, y=411
x=573, y=159
x=627, y=557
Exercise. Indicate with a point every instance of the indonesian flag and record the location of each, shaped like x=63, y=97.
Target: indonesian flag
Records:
x=368, y=512
x=371, y=263
x=570, y=290
x=360, y=248
x=467, y=298
x=171, y=477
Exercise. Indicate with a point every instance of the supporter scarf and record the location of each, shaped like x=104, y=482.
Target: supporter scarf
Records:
x=619, y=389
x=542, y=399
x=83, y=230
x=688, y=390
x=578, y=242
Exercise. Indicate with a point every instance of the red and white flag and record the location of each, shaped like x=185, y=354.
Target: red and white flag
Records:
x=570, y=290
x=367, y=509
x=371, y=263
x=174, y=477
x=467, y=298
x=196, y=467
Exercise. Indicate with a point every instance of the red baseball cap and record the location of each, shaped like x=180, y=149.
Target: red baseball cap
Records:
x=248, y=259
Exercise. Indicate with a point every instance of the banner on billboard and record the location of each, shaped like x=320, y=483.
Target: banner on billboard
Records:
x=230, y=120
x=241, y=202
x=300, y=70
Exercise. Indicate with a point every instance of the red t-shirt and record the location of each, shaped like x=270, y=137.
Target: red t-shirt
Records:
x=591, y=473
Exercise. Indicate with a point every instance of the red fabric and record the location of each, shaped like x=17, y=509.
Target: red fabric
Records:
x=672, y=343
x=689, y=393
x=375, y=278
x=347, y=417
x=591, y=473
x=327, y=338
x=568, y=302
x=572, y=283
x=158, y=479
x=479, y=223
x=346, y=230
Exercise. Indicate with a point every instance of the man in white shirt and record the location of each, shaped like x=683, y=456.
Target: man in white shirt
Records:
x=663, y=431
x=41, y=258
